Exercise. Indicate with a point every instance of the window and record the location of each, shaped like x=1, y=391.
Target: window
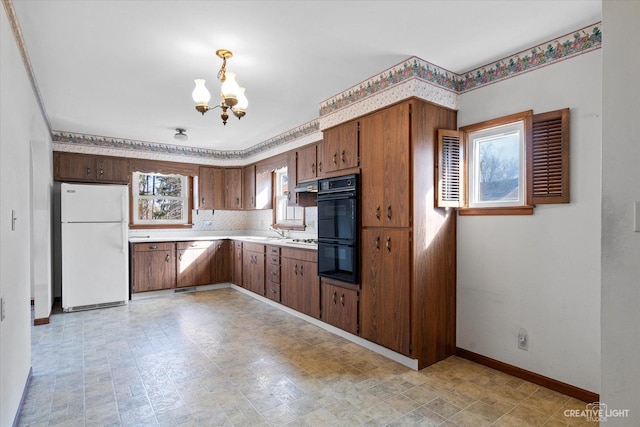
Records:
x=505, y=166
x=496, y=166
x=160, y=199
x=285, y=216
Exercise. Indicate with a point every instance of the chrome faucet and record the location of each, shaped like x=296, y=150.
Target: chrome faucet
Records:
x=281, y=233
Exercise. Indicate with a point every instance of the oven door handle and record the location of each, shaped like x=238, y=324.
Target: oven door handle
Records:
x=341, y=195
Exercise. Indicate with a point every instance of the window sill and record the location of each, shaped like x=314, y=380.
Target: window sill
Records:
x=158, y=226
x=512, y=210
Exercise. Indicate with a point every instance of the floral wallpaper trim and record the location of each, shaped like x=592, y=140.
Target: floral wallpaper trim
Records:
x=103, y=142
x=413, y=67
x=578, y=42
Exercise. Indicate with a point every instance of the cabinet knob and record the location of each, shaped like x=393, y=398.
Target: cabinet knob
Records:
x=342, y=300
x=295, y=269
x=101, y=171
x=313, y=168
x=153, y=247
x=167, y=258
x=389, y=212
x=88, y=171
x=377, y=243
x=252, y=201
x=377, y=212
x=320, y=166
x=179, y=257
x=334, y=297
x=342, y=157
x=388, y=244
x=302, y=270
x=202, y=201
x=335, y=158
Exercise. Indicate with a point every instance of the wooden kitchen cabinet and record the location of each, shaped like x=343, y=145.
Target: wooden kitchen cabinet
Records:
x=153, y=266
x=253, y=267
x=386, y=288
x=339, y=305
x=299, y=281
x=193, y=263
x=249, y=187
x=233, y=188
x=292, y=177
x=221, y=261
x=256, y=188
x=236, y=277
x=272, y=279
x=307, y=163
x=386, y=171
x=340, y=149
x=408, y=245
x=112, y=170
x=73, y=167
x=210, y=188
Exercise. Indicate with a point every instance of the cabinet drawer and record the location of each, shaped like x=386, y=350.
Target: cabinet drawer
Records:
x=273, y=291
x=273, y=273
x=200, y=244
x=301, y=254
x=158, y=246
x=254, y=247
x=274, y=259
x=273, y=250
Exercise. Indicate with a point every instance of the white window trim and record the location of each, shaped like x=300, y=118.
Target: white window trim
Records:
x=473, y=140
x=137, y=197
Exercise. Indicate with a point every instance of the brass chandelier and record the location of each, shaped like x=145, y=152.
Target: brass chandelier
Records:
x=232, y=94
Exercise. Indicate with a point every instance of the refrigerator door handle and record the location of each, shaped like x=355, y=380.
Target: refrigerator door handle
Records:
x=123, y=223
x=124, y=237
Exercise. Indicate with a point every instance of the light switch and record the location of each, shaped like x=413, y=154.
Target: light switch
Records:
x=636, y=216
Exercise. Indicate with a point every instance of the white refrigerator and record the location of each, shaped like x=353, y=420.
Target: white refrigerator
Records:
x=94, y=245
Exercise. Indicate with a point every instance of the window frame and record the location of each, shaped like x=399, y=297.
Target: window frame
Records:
x=280, y=198
x=523, y=207
x=546, y=160
x=187, y=198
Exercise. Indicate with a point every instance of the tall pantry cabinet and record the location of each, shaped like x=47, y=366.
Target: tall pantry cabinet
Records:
x=408, y=246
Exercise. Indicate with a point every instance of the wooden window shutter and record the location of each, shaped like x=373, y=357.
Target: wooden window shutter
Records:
x=549, y=158
x=449, y=169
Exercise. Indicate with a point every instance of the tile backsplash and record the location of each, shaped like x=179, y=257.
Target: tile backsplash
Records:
x=250, y=222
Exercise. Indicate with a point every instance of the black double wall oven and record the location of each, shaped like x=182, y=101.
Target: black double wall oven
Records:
x=338, y=231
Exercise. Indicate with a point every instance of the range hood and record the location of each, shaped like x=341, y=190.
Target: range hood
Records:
x=307, y=187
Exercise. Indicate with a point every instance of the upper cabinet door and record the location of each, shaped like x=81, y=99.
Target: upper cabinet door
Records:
x=233, y=188
x=112, y=170
x=249, y=187
x=385, y=163
x=307, y=166
x=340, y=149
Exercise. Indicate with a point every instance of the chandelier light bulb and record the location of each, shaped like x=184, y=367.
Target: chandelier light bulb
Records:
x=200, y=94
x=243, y=102
x=230, y=89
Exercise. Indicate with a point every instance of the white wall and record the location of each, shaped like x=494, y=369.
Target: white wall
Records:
x=539, y=272
x=620, y=189
x=20, y=120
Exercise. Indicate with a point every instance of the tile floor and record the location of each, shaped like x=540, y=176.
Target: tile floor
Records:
x=222, y=358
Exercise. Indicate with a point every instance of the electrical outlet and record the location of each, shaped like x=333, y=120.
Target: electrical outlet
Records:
x=2, y=313
x=523, y=339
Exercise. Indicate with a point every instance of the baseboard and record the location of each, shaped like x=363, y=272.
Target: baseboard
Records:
x=555, y=385
x=16, y=419
x=41, y=321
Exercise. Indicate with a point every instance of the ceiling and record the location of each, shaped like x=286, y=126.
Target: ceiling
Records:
x=125, y=69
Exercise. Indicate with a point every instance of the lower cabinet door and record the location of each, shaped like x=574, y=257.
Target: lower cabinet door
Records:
x=340, y=307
